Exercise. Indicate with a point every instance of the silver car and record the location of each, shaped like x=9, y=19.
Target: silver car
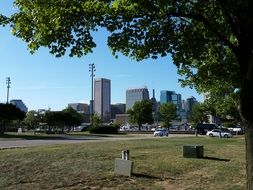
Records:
x=161, y=132
x=219, y=133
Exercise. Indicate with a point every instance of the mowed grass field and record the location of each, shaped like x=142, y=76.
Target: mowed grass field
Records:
x=158, y=164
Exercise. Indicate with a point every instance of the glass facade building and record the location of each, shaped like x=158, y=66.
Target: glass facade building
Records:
x=165, y=96
x=170, y=96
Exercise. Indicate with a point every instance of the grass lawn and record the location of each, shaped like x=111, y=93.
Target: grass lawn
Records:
x=158, y=164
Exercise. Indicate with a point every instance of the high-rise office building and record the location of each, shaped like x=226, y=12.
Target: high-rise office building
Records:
x=165, y=96
x=179, y=101
x=80, y=107
x=102, y=98
x=117, y=109
x=134, y=95
x=171, y=97
x=190, y=102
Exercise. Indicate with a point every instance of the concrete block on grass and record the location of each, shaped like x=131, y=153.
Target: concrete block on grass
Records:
x=123, y=167
x=193, y=151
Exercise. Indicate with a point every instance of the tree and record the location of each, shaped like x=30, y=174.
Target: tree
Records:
x=31, y=120
x=210, y=41
x=97, y=121
x=73, y=117
x=61, y=119
x=226, y=107
x=141, y=113
x=9, y=112
x=167, y=113
x=199, y=114
x=55, y=120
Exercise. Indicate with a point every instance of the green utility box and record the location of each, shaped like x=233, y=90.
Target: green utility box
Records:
x=193, y=151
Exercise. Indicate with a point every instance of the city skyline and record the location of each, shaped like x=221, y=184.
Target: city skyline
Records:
x=43, y=81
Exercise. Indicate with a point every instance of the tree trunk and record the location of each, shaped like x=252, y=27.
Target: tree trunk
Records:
x=1, y=130
x=246, y=103
x=246, y=112
x=245, y=60
x=248, y=126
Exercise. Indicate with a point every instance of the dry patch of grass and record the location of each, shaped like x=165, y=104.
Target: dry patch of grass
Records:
x=158, y=164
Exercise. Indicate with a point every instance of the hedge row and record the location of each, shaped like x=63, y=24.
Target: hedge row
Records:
x=104, y=130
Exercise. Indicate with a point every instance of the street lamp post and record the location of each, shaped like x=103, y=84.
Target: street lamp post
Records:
x=92, y=70
x=8, y=82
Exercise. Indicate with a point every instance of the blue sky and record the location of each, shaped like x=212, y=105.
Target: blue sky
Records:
x=43, y=81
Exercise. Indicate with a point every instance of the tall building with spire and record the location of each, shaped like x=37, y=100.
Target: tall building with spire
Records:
x=154, y=106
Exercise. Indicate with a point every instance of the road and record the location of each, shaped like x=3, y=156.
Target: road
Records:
x=17, y=142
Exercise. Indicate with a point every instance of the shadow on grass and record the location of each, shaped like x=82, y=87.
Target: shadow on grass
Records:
x=40, y=136
x=138, y=175
x=215, y=159
x=96, y=135
x=31, y=137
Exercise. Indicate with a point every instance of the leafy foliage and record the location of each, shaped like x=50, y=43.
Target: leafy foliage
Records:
x=226, y=107
x=167, y=113
x=58, y=24
x=3, y=20
x=199, y=114
x=97, y=121
x=207, y=43
x=201, y=36
x=9, y=112
x=31, y=120
x=74, y=118
x=61, y=119
x=104, y=130
x=141, y=113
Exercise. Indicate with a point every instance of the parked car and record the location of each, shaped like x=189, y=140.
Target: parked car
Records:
x=236, y=130
x=204, y=128
x=219, y=132
x=161, y=132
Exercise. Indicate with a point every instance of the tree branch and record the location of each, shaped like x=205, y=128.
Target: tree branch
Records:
x=211, y=27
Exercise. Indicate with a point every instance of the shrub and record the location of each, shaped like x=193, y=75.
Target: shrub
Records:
x=104, y=130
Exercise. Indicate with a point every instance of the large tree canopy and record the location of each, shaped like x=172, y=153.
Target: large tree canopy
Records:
x=210, y=41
